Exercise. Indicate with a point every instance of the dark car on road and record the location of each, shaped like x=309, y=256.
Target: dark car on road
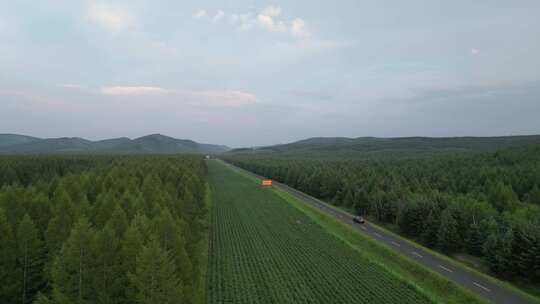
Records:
x=359, y=219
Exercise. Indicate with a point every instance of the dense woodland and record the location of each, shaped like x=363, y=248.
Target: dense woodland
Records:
x=486, y=205
x=101, y=229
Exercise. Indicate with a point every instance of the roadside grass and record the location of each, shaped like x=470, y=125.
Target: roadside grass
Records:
x=435, y=286
x=200, y=288
x=339, y=242
x=528, y=292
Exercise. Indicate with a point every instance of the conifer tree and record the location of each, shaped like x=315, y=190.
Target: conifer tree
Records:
x=498, y=250
x=72, y=270
x=108, y=276
x=132, y=245
x=448, y=235
x=60, y=225
x=474, y=241
x=9, y=274
x=429, y=235
x=155, y=280
x=105, y=206
x=30, y=256
x=119, y=221
x=534, y=195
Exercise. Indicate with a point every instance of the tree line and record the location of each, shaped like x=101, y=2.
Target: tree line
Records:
x=486, y=204
x=99, y=229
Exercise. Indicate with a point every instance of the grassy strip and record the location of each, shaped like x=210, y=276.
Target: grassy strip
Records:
x=358, y=255
x=434, y=285
x=200, y=289
x=504, y=284
x=528, y=296
x=531, y=298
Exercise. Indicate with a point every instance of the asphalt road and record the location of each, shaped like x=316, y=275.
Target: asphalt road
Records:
x=477, y=284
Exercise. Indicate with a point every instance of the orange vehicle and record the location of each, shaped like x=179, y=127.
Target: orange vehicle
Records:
x=266, y=182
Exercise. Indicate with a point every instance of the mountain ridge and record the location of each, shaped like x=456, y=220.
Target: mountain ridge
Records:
x=389, y=147
x=148, y=144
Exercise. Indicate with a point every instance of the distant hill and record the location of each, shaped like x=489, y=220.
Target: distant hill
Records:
x=373, y=147
x=150, y=144
x=14, y=139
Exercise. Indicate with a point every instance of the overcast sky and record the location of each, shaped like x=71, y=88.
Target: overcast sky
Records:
x=246, y=73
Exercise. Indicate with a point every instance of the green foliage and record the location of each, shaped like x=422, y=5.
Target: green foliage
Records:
x=474, y=240
x=263, y=250
x=486, y=198
x=72, y=228
x=72, y=270
x=9, y=274
x=534, y=195
x=448, y=236
x=30, y=255
x=155, y=278
x=109, y=278
x=383, y=148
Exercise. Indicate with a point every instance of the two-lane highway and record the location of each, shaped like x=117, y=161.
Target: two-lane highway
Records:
x=477, y=284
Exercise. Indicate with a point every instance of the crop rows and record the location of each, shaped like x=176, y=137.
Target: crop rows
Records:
x=263, y=250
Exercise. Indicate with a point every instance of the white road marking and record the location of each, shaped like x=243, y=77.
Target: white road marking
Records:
x=417, y=254
x=445, y=268
x=395, y=244
x=483, y=287
x=378, y=235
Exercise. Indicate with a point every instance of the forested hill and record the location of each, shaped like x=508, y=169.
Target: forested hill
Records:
x=150, y=144
x=373, y=147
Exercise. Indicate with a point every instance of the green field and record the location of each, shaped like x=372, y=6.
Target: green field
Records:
x=263, y=250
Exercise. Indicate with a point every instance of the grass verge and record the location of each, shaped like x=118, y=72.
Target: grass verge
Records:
x=435, y=286
x=530, y=297
x=200, y=288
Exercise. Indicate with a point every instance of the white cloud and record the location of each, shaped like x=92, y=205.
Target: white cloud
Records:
x=271, y=11
x=475, y=51
x=132, y=90
x=199, y=14
x=111, y=18
x=298, y=28
x=267, y=20
x=225, y=98
x=266, y=23
x=71, y=86
x=218, y=16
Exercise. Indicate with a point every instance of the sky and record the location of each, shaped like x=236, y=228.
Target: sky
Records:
x=251, y=73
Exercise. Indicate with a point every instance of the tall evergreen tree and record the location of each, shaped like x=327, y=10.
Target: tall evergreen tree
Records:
x=30, y=256
x=72, y=271
x=119, y=221
x=474, y=240
x=534, y=195
x=60, y=225
x=503, y=197
x=108, y=276
x=429, y=235
x=132, y=245
x=9, y=273
x=498, y=250
x=448, y=234
x=155, y=280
